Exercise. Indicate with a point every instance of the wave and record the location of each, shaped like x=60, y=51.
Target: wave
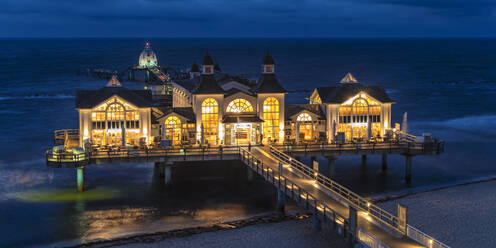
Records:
x=481, y=125
x=36, y=96
x=388, y=196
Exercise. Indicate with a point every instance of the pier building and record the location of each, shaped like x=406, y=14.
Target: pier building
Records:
x=214, y=108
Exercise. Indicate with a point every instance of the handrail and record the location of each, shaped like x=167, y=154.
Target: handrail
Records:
x=349, y=196
x=275, y=179
x=434, y=146
x=375, y=211
x=423, y=238
x=310, y=201
x=370, y=241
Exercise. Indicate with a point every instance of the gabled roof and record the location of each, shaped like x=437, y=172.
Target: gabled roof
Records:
x=207, y=59
x=292, y=109
x=342, y=92
x=91, y=98
x=268, y=60
x=186, y=112
x=217, y=66
x=194, y=68
x=207, y=85
x=268, y=83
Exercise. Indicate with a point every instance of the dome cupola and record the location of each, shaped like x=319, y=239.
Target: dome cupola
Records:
x=147, y=58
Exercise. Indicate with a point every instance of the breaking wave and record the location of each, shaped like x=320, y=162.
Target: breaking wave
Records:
x=481, y=125
x=36, y=96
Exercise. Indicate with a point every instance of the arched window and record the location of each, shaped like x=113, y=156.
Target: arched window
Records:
x=271, y=118
x=304, y=117
x=110, y=119
x=239, y=106
x=356, y=114
x=305, y=123
x=173, y=129
x=210, y=119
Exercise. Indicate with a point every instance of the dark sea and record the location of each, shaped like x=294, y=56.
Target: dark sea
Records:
x=447, y=86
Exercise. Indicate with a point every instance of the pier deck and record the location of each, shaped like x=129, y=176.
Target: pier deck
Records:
x=172, y=154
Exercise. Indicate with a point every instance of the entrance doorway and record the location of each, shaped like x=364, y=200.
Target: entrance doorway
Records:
x=242, y=136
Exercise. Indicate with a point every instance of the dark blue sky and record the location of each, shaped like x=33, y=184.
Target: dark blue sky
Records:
x=240, y=18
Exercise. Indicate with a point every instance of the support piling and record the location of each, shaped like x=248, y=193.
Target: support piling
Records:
x=80, y=179
x=384, y=162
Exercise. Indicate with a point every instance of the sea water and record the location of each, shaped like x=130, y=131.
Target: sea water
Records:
x=447, y=86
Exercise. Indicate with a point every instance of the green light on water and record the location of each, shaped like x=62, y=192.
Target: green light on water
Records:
x=65, y=195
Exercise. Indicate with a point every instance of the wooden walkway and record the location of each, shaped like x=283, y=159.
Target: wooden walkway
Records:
x=310, y=186
x=330, y=207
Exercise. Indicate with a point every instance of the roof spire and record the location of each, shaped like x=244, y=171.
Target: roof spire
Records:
x=114, y=82
x=268, y=60
x=349, y=79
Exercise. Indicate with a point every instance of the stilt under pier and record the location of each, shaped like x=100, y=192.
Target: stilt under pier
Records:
x=330, y=166
x=249, y=174
x=364, y=160
x=164, y=172
x=384, y=162
x=408, y=168
x=317, y=225
x=281, y=200
x=80, y=179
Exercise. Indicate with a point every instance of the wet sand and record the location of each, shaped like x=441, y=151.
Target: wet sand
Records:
x=270, y=230
x=291, y=233
x=459, y=216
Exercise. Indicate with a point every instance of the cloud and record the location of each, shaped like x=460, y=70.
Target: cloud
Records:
x=455, y=8
x=245, y=17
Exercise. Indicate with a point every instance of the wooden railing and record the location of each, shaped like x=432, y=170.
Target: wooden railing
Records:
x=293, y=190
x=307, y=200
x=423, y=238
x=60, y=136
x=344, y=193
x=435, y=146
x=379, y=214
x=65, y=157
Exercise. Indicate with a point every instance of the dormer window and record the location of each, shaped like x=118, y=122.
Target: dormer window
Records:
x=269, y=68
x=208, y=69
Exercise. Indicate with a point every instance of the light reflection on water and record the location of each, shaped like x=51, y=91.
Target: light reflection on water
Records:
x=129, y=199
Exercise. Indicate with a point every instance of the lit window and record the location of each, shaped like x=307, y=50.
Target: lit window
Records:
x=239, y=106
x=271, y=117
x=173, y=129
x=210, y=119
x=305, y=122
x=354, y=117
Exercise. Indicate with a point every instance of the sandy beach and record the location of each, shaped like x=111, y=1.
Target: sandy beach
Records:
x=291, y=233
x=459, y=216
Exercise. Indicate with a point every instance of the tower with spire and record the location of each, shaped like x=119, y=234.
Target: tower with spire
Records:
x=147, y=57
x=194, y=71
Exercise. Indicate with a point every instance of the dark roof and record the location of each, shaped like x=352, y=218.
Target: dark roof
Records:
x=91, y=98
x=268, y=83
x=217, y=66
x=194, y=68
x=292, y=109
x=207, y=85
x=207, y=59
x=343, y=91
x=241, y=119
x=186, y=112
x=268, y=60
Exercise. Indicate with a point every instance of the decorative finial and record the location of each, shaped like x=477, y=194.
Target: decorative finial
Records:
x=349, y=79
x=114, y=82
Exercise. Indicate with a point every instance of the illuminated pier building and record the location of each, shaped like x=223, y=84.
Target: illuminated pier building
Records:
x=214, y=108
